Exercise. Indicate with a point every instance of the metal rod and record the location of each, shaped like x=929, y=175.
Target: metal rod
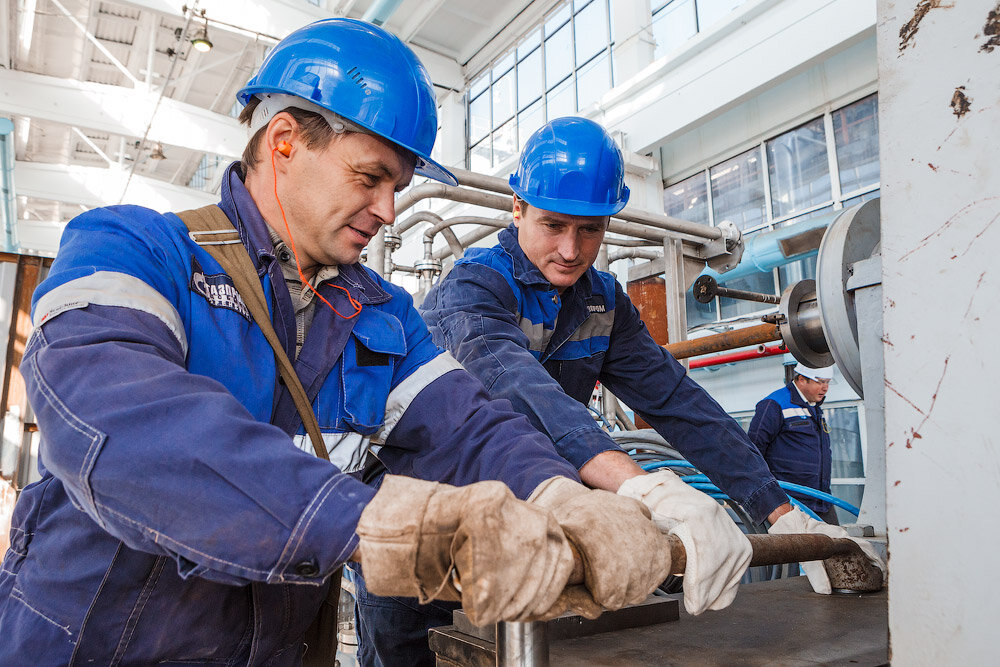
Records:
x=730, y=340
x=523, y=644
x=706, y=288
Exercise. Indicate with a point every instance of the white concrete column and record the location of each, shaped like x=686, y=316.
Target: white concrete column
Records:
x=450, y=144
x=633, y=37
x=939, y=127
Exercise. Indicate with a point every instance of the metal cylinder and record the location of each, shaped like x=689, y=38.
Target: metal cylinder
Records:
x=730, y=340
x=522, y=644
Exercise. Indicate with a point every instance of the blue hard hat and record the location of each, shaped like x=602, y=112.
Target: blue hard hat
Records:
x=362, y=73
x=572, y=166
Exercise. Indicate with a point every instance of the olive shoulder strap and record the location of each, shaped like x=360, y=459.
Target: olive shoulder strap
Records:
x=210, y=228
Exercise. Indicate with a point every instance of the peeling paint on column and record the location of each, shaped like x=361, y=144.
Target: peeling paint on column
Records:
x=909, y=29
x=992, y=30
x=960, y=103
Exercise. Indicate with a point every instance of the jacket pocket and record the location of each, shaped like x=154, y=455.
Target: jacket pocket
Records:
x=370, y=358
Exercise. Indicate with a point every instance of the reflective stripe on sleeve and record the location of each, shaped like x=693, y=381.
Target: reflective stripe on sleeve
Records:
x=110, y=288
x=404, y=393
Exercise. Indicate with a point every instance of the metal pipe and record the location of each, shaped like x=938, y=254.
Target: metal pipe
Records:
x=657, y=220
x=523, y=644
x=758, y=352
x=500, y=203
x=635, y=253
x=414, y=220
x=466, y=241
x=451, y=238
x=730, y=340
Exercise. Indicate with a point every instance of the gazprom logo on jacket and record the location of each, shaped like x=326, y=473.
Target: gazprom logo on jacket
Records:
x=218, y=289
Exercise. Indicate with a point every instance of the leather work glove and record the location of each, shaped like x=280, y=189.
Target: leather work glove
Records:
x=511, y=558
x=717, y=551
x=624, y=557
x=798, y=521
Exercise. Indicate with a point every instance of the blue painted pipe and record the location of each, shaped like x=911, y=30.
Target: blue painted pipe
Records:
x=762, y=252
x=380, y=11
x=8, y=201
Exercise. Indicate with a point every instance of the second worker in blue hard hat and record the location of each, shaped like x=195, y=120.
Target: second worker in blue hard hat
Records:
x=539, y=325
x=183, y=514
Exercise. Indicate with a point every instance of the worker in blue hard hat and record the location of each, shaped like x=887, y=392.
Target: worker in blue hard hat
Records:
x=185, y=512
x=539, y=325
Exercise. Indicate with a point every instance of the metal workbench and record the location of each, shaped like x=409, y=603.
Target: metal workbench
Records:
x=774, y=622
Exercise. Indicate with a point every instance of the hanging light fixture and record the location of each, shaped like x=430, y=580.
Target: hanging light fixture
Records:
x=200, y=41
x=157, y=153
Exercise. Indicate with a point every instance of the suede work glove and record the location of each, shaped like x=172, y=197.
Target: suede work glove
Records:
x=511, y=558
x=798, y=521
x=624, y=556
x=717, y=551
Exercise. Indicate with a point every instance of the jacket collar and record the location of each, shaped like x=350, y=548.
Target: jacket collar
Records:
x=242, y=211
x=797, y=398
x=528, y=274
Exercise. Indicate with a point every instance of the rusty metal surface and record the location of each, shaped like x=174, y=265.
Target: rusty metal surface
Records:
x=778, y=622
x=846, y=565
x=730, y=340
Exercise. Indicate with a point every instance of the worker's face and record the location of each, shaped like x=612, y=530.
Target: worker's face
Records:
x=562, y=246
x=338, y=197
x=813, y=390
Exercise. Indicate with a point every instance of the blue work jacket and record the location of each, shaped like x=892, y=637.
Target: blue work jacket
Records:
x=795, y=441
x=544, y=352
x=182, y=516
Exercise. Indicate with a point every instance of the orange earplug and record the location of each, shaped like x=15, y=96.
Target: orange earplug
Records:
x=284, y=148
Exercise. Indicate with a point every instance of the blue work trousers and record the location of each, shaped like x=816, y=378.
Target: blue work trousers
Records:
x=393, y=631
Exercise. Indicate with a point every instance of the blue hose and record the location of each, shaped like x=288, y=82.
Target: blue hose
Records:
x=703, y=483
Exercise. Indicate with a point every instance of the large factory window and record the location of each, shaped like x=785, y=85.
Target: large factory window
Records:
x=676, y=21
x=856, y=130
x=738, y=190
x=562, y=66
x=780, y=182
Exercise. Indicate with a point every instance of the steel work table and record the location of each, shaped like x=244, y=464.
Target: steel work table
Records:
x=774, y=622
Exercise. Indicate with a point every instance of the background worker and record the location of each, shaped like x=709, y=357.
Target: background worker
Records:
x=533, y=320
x=789, y=430
x=181, y=514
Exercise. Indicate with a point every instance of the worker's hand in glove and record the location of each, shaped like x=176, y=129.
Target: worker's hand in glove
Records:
x=511, y=559
x=624, y=556
x=797, y=521
x=717, y=551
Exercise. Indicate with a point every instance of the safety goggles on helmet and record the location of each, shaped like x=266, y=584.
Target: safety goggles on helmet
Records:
x=362, y=74
x=572, y=166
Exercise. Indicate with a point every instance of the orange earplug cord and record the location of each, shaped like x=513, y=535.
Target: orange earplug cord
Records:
x=284, y=148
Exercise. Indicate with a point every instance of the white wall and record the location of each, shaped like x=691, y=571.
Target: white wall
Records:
x=940, y=209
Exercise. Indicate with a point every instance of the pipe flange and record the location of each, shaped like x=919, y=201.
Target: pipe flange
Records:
x=428, y=264
x=392, y=240
x=799, y=329
x=852, y=237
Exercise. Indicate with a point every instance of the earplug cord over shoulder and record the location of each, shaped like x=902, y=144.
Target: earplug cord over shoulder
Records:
x=282, y=147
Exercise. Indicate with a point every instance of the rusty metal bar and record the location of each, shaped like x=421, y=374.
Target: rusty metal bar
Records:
x=730, y=340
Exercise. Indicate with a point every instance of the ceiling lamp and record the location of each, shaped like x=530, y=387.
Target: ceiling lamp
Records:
x=200, y=41
x=157, y=153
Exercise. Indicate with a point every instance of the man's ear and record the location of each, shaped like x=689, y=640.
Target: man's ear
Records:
x=516, y=212
x=282, y=132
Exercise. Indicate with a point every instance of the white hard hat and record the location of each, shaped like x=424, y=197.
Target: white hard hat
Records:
x=824, y=373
